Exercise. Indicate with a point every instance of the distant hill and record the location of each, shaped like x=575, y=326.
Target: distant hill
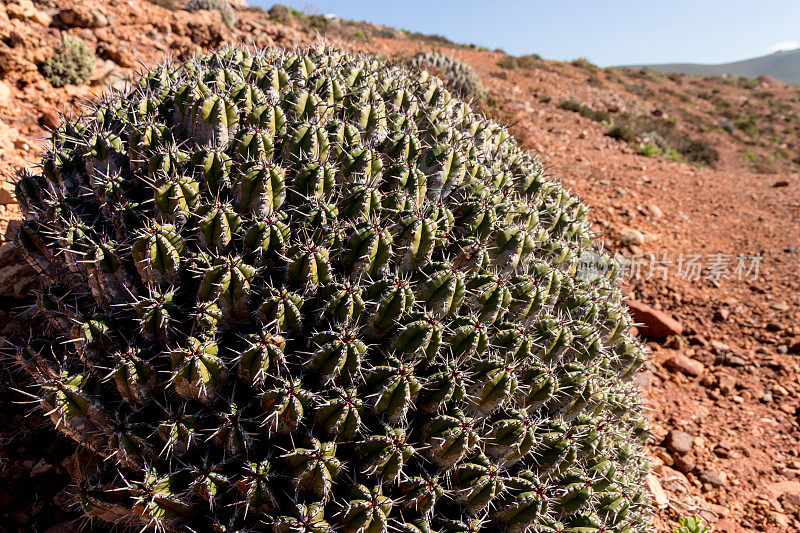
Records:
x=784, y=66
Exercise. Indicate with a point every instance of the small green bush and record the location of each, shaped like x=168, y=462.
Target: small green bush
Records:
x=71, y=64
x=747, y=125
x=526, y=62
x=648, y=150
x=622, y=133
x=584, y=111
x=223, y=6
x=595, y=81
x=691, y=524
x=699, y=151
x=584, y=63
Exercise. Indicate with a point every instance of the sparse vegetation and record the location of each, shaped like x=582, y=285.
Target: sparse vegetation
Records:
x=595, y=81
x=629, y=128
x=583, y=63
x=622, y=133
x=748, y=126
x=584, y=111
x=526, y=62
x=691, y=524
x=71, y=64
x=648, y=150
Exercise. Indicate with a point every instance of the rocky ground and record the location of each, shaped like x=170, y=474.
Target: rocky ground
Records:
x=711, y=254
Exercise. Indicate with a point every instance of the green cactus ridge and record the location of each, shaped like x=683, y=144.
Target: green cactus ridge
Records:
x=313, y=291
x=461, y=77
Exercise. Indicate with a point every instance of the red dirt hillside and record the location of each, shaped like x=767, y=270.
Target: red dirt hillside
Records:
x=694, y=181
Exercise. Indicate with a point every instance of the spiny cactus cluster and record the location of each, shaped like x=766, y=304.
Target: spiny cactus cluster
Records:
x=311, y=291
x=461, y=77
x=71, y=64
x=224, y=7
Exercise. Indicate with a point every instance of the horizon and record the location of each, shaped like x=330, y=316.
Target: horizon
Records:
x=713, y=32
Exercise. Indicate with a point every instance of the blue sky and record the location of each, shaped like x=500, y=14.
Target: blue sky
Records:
x=607, y=32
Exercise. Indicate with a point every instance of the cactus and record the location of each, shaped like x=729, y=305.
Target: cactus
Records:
x=311, y=291
x=461, y=77
x=71, y=64
x=222, y=6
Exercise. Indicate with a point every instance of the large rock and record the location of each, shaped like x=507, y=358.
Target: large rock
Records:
x=654, y=323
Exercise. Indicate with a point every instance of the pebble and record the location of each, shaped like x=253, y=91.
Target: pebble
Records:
x=655, y=323
x=684, y=364
x=719, y=346
x=721, y=315
x=698, y=340
x=655, y=211
x=779, y=519
x=659, y=496
x=632, y=237
x=774, y=326
x=726, y=384
x=5, y=93
x=729, y=359
x=712, y=478
x=678, y=442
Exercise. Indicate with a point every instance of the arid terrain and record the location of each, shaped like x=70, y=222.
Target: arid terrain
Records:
x=711, y=241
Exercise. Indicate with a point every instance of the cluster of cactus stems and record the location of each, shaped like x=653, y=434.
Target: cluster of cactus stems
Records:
x=310, y=291
x=461, y=77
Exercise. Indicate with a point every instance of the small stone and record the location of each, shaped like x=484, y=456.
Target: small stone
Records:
x=726, y=384
x=781, y=183
x=664, y=456
x=684, y=364
x=656, y=211
x=42, y=18
x=678, y=442
x=721, y=315
x=729, y=359
x=655, y=323
x=712, y=478
x=697, y=340
x=774, y=326
x=99, y=20
x=632, y=237
x=719, y=347
x=654, y=486
x=766, y=397
x=779, y=519
x=684, y=464
x=5, y=93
